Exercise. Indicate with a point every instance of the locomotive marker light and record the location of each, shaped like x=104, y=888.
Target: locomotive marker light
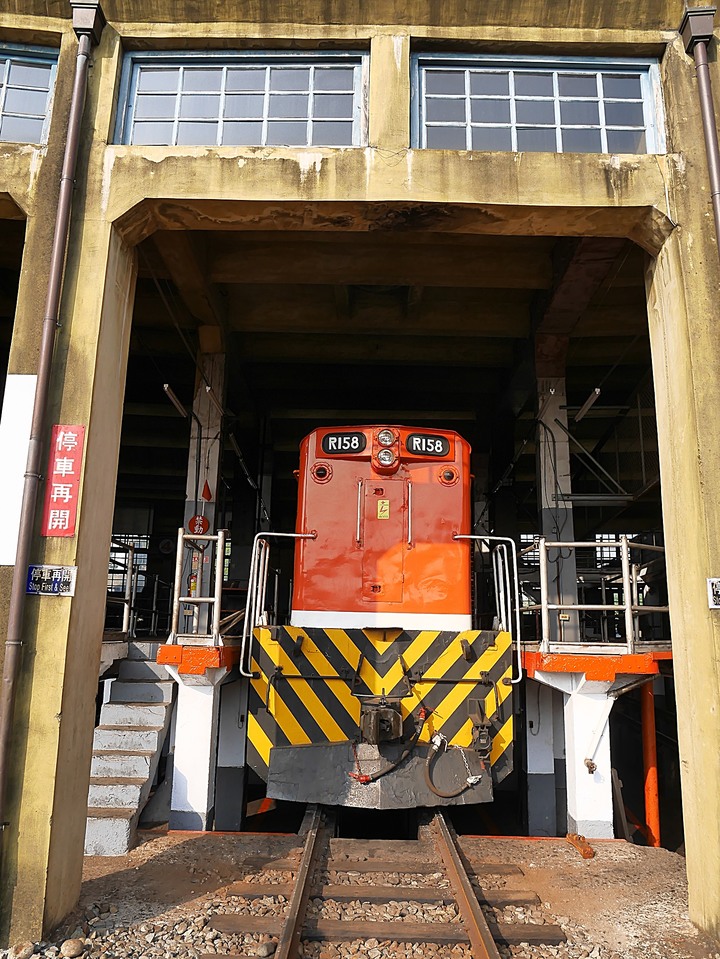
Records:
x=386, y=457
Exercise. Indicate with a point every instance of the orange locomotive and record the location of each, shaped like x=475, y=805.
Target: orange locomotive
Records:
x=379, y=692
x=385, y=504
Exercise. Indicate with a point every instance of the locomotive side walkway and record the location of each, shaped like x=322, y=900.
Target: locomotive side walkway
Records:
x=628, y=902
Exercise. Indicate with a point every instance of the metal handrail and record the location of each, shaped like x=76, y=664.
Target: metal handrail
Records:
x=503, y=579
x=257, y=590
x=631, y=608
x=191, y=541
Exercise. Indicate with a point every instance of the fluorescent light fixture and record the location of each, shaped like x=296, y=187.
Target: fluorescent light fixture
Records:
x=175, y=401
x=587, y=404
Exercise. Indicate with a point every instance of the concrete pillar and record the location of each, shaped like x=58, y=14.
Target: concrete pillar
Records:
x=197, y=712
x=556, y=514
x=389, y=94
x=540, y=766
x=586, y=731
x=205, y=450
x=587, y=759
x=232, y=750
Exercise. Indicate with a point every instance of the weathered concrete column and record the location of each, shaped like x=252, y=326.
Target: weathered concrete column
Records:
x=389, y=96
x=556, y=513
x=205, y=447
x=540, y=765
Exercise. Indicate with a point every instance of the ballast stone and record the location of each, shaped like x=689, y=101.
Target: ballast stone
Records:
x=72, y=948
x=23, y=950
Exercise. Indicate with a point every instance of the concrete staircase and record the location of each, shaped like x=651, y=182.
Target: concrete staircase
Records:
x=126, y=750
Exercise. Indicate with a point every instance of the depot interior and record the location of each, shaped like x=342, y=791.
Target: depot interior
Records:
x=406, y=327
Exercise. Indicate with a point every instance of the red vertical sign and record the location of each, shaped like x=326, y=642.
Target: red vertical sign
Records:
x=63, y=481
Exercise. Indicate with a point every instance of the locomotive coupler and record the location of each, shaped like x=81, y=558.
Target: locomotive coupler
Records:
x=380, y=720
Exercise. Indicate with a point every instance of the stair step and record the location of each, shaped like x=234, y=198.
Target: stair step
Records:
x=138, y=739
x=141, y=691
x=133, y=714
x=109, y=832
x=121, y=764
x=116, y=792
x=143, y=649
x=145, y=669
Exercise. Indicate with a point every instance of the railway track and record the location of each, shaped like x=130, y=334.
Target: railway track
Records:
x=341, y=873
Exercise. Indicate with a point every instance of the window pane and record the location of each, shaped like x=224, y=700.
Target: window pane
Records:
x=535, y=111
x=334, y=78
x=622, y=88
x=333, y=105
x=148, y=107
x=448, y=111
x=446, y=138
x=624, y=114
x=29, y=75
x=577, y=85
x=534, y=84
x=26, y=101
x=445, y=81
x=626, y=141
x=332, y=134
x=199, y=106
x=2, y=71
x=490, y=111
x=158, y=81
x=246, y=78
x=288, y=106
x=242, y=134
x=490, y=84
x=491, y=138
x=536, y=141
x=196, y=134
x=152, y=134
x=244, y=105
x=21, y=130
x=581, y=112
x=581, y=141
x=282, y=78
x=284, y=133
x=198, y=79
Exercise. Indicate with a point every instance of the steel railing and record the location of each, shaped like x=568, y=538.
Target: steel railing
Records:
x=629, y=577
x=206, y=608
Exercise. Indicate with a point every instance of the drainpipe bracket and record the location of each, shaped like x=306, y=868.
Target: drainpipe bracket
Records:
x=88, y=19
x=696, y=27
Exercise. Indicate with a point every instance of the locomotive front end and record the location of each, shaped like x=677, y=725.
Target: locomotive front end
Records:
x=379, y=693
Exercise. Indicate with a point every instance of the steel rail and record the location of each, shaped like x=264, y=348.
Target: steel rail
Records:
x=289, y=945
x=481, y=939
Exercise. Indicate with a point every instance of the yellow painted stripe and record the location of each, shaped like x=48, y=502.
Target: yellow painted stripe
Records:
x=503, y=693
x=502, y=739
x=463, y=737
x=312, y=702
x=341, y=689
x=258, y=737
x=278, y=710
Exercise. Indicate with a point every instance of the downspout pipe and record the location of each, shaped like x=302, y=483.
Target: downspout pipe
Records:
x=88, y=22
x=696, y=31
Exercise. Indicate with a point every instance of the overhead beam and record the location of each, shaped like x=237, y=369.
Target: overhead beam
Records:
x=185, y=261
x=377, y=261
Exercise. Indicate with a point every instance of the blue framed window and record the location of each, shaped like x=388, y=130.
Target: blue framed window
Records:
x=27, y=76
x=564, y=105
x=243, y=100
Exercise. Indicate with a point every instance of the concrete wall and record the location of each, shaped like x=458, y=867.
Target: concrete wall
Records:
x=125, y=193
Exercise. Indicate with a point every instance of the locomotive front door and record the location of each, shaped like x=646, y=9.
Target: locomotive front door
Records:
x=383, y=540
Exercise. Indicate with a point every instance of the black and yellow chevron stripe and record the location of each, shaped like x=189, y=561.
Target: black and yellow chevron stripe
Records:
x=308, y=683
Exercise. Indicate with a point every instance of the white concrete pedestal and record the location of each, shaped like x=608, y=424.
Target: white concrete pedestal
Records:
x=192, y=802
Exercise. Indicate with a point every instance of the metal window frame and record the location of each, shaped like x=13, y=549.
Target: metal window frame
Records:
x=21, y=53
x=646, y=69
x=135, y=61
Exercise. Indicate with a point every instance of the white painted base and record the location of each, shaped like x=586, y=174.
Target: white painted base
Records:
x=196, y=734
x=325, y=619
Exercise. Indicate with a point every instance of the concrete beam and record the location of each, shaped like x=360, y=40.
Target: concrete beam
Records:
x=188, y=269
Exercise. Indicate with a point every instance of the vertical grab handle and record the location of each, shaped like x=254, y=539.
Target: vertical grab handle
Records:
x=358, y=525
x=410, y=527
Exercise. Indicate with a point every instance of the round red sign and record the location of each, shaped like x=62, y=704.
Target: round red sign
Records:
x=198, y=525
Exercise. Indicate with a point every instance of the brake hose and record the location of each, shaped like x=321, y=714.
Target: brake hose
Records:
x=437, y=741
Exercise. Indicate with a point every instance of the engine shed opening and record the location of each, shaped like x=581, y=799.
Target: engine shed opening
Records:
x=533, y=348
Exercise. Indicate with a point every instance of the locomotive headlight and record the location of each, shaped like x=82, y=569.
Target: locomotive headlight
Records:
x=386, y=457
x=386, y=438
